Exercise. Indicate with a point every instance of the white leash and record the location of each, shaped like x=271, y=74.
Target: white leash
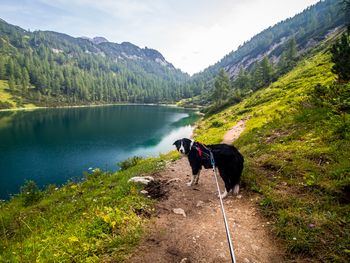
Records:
x=229, y=240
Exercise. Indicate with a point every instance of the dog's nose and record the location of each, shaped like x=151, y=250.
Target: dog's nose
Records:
x=181, y=151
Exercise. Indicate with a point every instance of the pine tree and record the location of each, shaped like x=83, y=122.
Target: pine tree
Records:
x=346, y=4
x=221, y=87
x=2, y=69
x=25, y=79
x=341, y=58
x=12, y=83
x=266, y=70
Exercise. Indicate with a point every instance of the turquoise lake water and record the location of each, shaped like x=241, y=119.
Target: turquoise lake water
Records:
x=52, y=146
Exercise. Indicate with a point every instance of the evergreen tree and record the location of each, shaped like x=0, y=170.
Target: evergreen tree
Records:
x=12, y=83
x=341, y=57
x=25, y=79
x=346, y=4
x=2, y=68
x=267, y=71
x=221, y=87
x=243, y=81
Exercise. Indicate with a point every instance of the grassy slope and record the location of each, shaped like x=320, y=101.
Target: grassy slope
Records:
x=99, y=219
x=296, y=160
x=10, y=101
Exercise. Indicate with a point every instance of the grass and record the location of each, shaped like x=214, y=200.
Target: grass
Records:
x=8, y=100
x=99, y=219
x=297, y=157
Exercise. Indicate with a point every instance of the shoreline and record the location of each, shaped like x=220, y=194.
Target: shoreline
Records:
x=94, y=105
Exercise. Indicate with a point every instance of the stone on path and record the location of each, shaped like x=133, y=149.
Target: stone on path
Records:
x=179, y=211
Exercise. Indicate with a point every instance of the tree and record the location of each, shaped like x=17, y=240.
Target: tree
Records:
x=341, y=57
x=288, y=57
x=221, y=87
x=346, y=9
x=2, y=69
x=266, y=70
x=242, y=82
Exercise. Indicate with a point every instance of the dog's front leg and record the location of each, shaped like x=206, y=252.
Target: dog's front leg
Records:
x=195, y=176
x=196, y=168
x=194, y=179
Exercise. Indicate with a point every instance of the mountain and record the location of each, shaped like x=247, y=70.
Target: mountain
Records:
x=298, y=34
x=50, y=68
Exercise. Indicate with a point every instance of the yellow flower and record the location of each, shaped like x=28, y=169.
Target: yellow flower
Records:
x=73, y=239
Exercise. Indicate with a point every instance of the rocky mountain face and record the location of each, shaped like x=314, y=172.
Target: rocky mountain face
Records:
x=129, y=51
x=308, y=28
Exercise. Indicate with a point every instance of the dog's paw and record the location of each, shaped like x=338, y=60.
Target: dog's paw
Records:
x=189, y=184
x=223, y=195
x=236, y=189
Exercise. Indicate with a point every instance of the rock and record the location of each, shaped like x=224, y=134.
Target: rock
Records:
x=246, y=260
x=173, y=180
x=255, y=248
x=179, y=211
x=144, y=192
x=200, y=203
x=239, y=196
x=184, y=260
x=141, y=179
x=222, y=256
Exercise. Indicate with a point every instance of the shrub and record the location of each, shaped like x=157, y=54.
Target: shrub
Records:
x=30, y=193
x=130, y=162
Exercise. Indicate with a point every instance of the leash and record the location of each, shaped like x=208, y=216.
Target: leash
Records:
x=229, y=240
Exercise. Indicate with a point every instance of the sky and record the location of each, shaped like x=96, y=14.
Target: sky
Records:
x=190, y=34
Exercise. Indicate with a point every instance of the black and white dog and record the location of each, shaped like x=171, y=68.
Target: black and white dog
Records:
x=227, y=158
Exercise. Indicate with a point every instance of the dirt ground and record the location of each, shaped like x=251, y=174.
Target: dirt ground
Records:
x=198, y=234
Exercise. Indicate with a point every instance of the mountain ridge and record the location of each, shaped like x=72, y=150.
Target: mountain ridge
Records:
x=307, y=28
x=50, y=68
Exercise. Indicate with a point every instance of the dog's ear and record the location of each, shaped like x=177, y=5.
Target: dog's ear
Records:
x=175, y=142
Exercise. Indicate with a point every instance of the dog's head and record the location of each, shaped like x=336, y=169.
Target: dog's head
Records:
x=183, y=145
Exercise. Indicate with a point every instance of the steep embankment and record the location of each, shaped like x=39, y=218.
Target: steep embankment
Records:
x=296, y=145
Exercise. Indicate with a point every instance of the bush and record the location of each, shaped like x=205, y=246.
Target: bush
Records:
x=30, y=193
x=130, y=162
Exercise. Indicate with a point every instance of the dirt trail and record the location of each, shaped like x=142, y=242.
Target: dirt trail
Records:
x=200, y=235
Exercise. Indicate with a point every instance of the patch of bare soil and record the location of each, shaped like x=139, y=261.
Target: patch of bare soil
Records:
x=198, y=234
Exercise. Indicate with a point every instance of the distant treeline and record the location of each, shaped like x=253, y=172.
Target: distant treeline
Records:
x=64, y=69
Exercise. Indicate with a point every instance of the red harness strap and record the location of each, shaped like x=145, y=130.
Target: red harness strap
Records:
x=199, y=151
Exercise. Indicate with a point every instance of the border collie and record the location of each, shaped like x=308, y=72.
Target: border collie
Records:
x=227, y=158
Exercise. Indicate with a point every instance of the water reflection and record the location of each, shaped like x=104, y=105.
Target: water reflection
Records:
x=54, y=145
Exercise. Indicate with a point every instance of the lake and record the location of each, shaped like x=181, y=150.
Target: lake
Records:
x=52, y=146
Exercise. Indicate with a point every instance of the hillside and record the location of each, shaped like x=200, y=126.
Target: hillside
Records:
x=281, y=45
x=296, y=145
x=49, y=69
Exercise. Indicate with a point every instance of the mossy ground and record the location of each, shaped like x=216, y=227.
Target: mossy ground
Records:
x=99, y=219
x=296, y=158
